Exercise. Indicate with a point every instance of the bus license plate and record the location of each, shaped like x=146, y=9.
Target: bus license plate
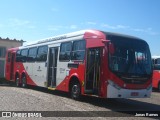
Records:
x=134, y=93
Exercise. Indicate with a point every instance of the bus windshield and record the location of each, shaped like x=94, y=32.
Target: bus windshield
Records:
x=130, y=58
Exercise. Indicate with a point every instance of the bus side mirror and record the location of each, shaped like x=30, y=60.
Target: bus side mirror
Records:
x=105, y=41
x=111, y=48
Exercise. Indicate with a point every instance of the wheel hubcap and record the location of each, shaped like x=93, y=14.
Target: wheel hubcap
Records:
x=23, y=81
x=17, y=81
x=75, y=90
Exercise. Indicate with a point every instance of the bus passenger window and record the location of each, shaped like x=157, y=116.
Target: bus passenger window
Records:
x=65, y=51
x=24, y=54
x=18, y=56
x=32, y=54
x=78, y=51
x=42, y=53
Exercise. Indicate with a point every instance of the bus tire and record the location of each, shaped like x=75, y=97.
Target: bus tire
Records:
x=24, y=81
x=17, y=82
x=159, y=87
x=75, y=91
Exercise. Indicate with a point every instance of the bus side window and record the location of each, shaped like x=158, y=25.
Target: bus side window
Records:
x=65, y=51
x=32, y=54
x=24, y=54
x=18, y=56
x=78, y=50
x=42, y=53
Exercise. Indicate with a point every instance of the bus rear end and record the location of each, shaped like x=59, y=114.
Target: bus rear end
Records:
x=10, y=64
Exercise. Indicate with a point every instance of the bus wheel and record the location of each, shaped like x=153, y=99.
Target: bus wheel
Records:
x=17, y=82
x=159, y=87
x=24, y=83
x=75, y=91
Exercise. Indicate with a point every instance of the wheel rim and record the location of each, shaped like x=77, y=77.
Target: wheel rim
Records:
x=24, y=82
x=75, y=91
x=17, y=81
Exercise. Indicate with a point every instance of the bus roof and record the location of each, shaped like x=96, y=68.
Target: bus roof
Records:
x=79, y=33
x=120, y=35
x=59, y=37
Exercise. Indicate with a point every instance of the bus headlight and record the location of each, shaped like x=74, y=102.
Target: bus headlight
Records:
x=114, y=84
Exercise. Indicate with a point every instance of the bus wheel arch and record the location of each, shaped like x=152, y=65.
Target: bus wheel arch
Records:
x=74, y=88
x=24, y=80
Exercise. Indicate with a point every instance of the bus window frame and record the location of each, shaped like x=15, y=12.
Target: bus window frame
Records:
x=18, y=57
x=73, y=51
x=34, y=59
x=22, y=60
x=65, y=60
x=42, y=54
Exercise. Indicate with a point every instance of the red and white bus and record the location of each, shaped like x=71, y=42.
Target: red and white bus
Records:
x=156, y=72
x=87, y=62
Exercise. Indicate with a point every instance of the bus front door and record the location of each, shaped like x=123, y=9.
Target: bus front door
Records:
x=52, y=68
x=92, y=71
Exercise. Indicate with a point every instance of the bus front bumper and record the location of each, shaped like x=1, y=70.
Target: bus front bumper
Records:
x=115, y=92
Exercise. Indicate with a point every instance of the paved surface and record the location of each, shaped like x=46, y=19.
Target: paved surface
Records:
x=39, y=99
